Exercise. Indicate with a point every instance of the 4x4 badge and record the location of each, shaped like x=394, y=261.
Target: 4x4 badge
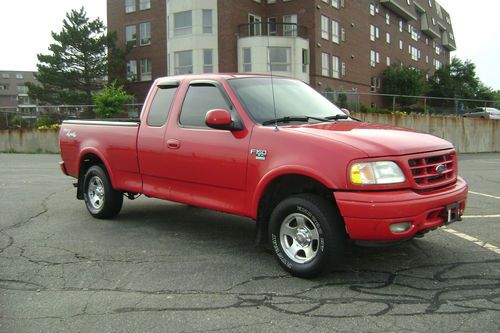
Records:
x=260, y=154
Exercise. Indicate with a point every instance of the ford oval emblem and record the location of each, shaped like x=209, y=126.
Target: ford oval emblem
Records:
x=440, y=168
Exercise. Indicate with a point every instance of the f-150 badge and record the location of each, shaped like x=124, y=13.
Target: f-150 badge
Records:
x=260, y=154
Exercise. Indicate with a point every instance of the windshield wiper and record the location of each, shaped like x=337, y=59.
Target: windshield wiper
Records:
x=288, y=119
x=337, y=117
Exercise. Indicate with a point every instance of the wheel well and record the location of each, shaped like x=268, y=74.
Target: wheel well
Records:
x=87, y=161
x=280, y=188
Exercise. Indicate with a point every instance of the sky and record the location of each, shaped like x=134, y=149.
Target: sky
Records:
x=26, y=25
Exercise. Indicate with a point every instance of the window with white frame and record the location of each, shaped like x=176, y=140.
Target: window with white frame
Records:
x=373, y=8
x=387, y=18
x=272, y=28
x=400, y=25
x=414, y=52
x=374, y=32
x=388, y=61
x=388, y=38
x=325, y=64
x=335, y=67
x=132, y=70
x=145, y=28
x=144, y=4
x=208, y=63
x=335, y=3
x=279, y=59
x=5, y=76
x=374, y=83
x=426, y=59
x=247, y=59
x=400, y=44
x=335, y=32
x=131, y=35
x=290, y=28
x=437, y=64
x=374, y=58
x=438, y=49
x=254, y=25
x=305, y=60
x=146, y=70
x=183, y=62
x=414, y=33
x=130, y=6
x=343, y=69
x=324, y=27
x=207, y=21
x=19, y=76
x=183, y=23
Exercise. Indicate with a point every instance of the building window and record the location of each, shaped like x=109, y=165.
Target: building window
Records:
x=335, y=67
x=373, y=8
x=22, y=89
x=144, y=4
x=415, y=53
x=414, y=33
x=271, y=1
x=324, y=27
x=19, y=76
x=208, y=64
x=130, y=6
x=335, y=3
x=145, y=33
x=5, y=76
x=388, y=38
x=335, y=32
x=374, y=84
x=131, y=35
x=146, y=70
x=374, y=58
x=207, y=21
x=247, y=59
x=271, y=26
x=426, y=59
x=400, y=25
x=183, y=23
x=325, y=64
x=400, y=44
x=374, y=32
x=290, y=28
x=438, y=49
x=387, y=18
x=279, y=59
x=255, y=24
x=4, y=86
x=305, y=60
x=388, y=61
x=183, y=62
x=343, y=69
x=132, y=70
x=437, y=64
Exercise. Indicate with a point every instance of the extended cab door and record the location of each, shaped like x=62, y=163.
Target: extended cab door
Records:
x=206, y=167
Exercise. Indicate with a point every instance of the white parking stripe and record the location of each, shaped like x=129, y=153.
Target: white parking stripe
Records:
x=474, y=240
x=485, y=195
x=480, y=216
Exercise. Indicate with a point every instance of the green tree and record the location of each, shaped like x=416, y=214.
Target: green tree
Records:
x=110, y=101
x=403, y=80
x=458, y=80
x=77, y=64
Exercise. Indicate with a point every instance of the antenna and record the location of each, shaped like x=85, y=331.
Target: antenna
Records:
x=276, y=129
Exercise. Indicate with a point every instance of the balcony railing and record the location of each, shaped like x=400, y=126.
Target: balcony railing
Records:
x=272, y=29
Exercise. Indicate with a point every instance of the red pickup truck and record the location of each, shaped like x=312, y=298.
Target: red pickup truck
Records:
x=273, y=149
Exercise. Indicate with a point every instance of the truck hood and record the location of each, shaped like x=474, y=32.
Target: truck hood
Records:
x=375, y=139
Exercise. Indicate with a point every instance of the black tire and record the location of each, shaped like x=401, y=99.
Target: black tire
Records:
x=316, y=252
x=102, y=201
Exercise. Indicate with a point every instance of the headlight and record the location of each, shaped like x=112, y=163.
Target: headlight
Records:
x=383, y=172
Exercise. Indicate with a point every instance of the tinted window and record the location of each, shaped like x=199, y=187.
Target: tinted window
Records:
x=199, y=100
x=161, y=106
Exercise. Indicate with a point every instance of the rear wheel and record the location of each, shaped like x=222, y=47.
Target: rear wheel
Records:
x=103, y=202
x=307, y=235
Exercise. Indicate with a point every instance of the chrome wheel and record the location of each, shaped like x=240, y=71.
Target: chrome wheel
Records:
x=299, y=238
x=95, y=192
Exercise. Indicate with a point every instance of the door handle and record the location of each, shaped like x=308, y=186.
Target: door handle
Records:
x=173, y=144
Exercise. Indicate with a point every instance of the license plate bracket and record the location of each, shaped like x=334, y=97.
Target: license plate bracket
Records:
x=452, y=213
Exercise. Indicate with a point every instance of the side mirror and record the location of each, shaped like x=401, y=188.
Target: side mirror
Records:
x=347, y=112
x=221, y=119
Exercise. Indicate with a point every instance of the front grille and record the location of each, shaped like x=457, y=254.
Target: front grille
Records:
x=431, y=171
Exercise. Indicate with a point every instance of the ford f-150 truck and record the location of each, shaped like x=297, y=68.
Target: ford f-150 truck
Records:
x=272, y=149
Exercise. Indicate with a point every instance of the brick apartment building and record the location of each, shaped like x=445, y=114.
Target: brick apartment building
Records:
x=13, y=89
x=340, y=44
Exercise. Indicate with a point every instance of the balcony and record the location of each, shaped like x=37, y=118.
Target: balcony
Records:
x=427, y=27
x=272, y=29
x=447, y=41
x=401, y=8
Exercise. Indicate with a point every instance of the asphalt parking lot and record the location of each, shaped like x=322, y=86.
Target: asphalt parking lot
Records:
x=165, y=267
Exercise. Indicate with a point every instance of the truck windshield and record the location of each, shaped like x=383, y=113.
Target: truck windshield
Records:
x=292, y=98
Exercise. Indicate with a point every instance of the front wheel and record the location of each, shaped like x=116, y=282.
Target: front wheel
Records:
x=103, y=202
x=307, y=235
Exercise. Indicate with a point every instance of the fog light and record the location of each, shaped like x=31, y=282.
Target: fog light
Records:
x=400, y=227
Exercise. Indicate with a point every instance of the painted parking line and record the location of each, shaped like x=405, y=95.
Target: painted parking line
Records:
x=485, y=195
x=474, y=240
x=480, y=216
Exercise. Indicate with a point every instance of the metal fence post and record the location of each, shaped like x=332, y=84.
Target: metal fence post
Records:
x=425, y=106
x=393, y=103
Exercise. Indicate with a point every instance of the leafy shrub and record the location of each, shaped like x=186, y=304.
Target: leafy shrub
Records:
x=111, y=100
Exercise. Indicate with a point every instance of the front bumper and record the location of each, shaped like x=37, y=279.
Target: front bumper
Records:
x=369, y=215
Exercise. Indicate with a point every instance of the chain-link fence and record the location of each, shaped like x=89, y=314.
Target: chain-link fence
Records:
x=385, y=103
x=49, y=115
